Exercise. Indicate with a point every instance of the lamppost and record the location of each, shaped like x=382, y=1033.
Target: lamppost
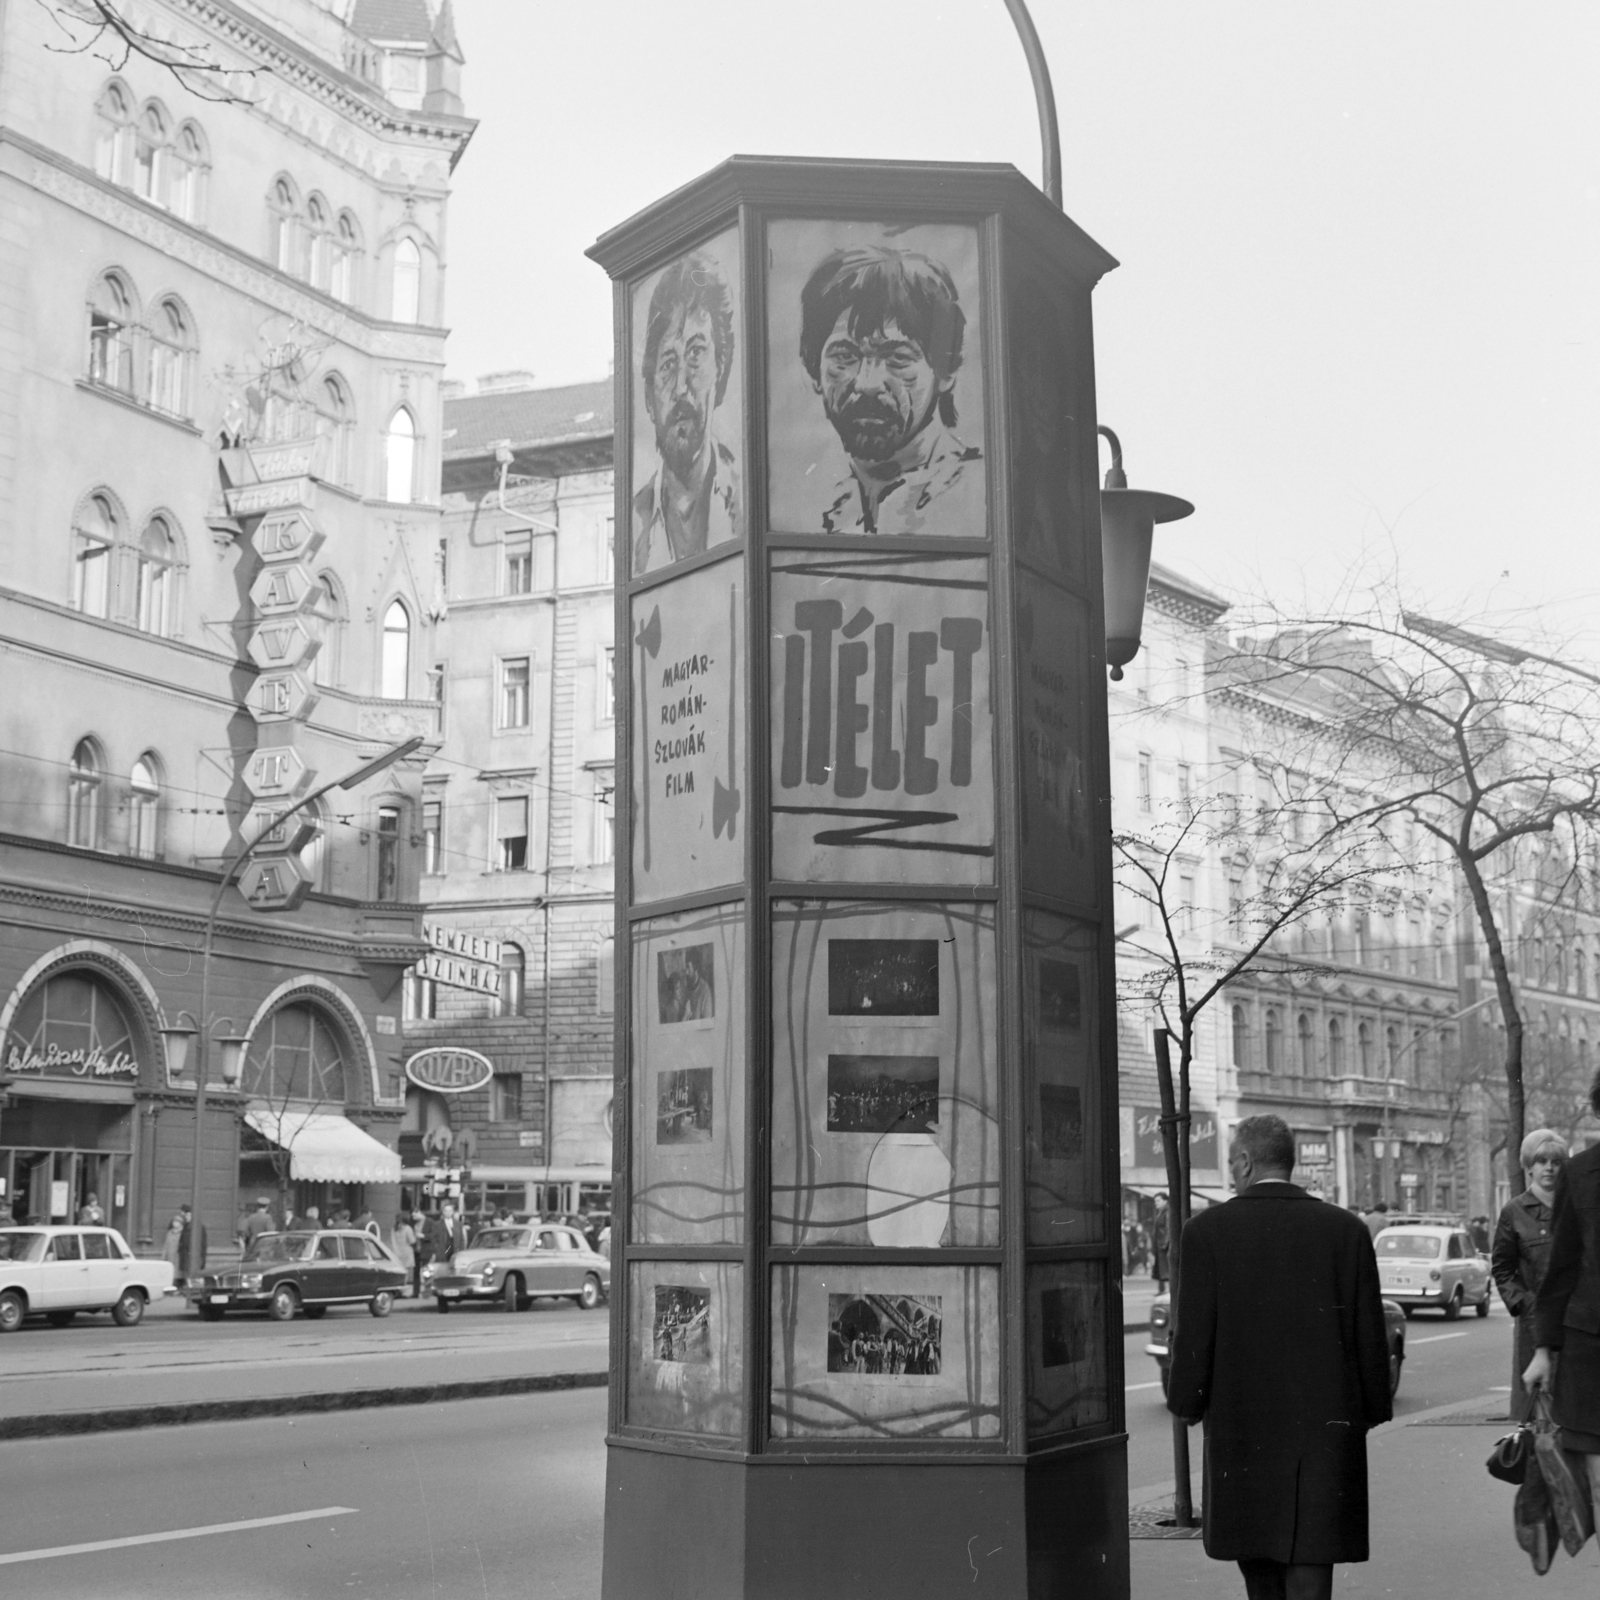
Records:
x=178, y=1039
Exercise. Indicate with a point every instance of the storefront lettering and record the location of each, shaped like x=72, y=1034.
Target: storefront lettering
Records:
x=80, y=1063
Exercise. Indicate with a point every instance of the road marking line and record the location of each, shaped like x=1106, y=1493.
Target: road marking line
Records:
x=1434, y=1338
x=1129, y=1388
x=176, y=1533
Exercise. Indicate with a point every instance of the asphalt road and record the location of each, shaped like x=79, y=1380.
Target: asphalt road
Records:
x=493, y=1498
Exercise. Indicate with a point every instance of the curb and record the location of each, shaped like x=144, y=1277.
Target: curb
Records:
x=51, y=1424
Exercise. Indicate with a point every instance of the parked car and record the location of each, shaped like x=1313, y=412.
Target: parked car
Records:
x=520, y=1264
x=282, y=1273
x=1433, y=1264
x=1394, y=1324
x=57, y=1272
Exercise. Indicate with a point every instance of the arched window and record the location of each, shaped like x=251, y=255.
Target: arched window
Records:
x=1307, y=1044
x=395, y=677
x=83, y=796
x=144, y=808
x=1391, y=1049
x=513, y=974
x=112, y=314
x=1274, y=1031
x=329, y=610
x=78, y=1014
x=1580, y=970
x=1364, y=1048
x=319, y=241
x=151, y=168
x=407, y=283
x=297, y=1054
x=400, y=458
x=1335, y=1046
x=186, y=190
x=1241, y=1038
x=113, y=144
x=605, y=977
x=284, y=206
x=346, y=247
x=1419, y=1048
x=158, y=554
x=336, y=425
x=94, y=541
x=171, y=354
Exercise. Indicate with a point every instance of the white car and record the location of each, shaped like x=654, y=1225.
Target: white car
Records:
x=57, y=1272
x=1433, y=1264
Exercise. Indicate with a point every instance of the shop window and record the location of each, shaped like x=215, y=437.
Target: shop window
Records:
x=505, y=1103
x=511, y=832
x=171, y=357
x=157, y=562
x=388, y=841
x=515, y=674
x=513, y=975
x=95, y=536
x=74, y=1020
x=396, y=669
x=407, y=282
x=400, y=458
x=297, y=1054
x=83, y=796
x=112, y=314
x=144, y=808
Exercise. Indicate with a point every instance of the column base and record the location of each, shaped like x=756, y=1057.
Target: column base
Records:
x=690, y=1528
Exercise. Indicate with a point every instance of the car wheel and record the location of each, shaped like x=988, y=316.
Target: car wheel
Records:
x=1396, y=1359
x=315, y=1311
x=591, y=1294
x=62, y=1319
x=511, y=1295
x=1483, y=1304
x=128, y=1312
x=381, y=1304
x=1406, y=1312
x=12, y=1311
x=211, y=1313
x=1452, y=1308
x=283, y=1304
x=442, y=1303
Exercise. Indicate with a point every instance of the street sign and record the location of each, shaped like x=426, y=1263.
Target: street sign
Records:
x=450, y=1071
x=462, y=960
x=283, y=642
x=277, y=772
x=275, y=883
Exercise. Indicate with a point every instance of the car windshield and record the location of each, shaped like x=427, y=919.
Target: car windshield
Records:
x=1417, y=1246
x=501, y=1239
x=20, y=1246
x=280, y=1247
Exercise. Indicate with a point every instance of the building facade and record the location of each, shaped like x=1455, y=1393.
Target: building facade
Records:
x=221, y=305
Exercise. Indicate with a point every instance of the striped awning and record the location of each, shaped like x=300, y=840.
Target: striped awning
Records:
x=325, y=1147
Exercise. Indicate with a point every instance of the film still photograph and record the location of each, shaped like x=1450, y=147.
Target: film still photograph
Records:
x=883, y=1094
x=1060, y=996
x=686, y=984
x=876, y=384
x=1064, y=1319
x=880, y=1335
x=682, y=1327
x=883, y=977
x=1060, y=1121
x=683, y=1106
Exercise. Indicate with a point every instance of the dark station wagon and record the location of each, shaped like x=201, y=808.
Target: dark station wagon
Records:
x=282, y=1273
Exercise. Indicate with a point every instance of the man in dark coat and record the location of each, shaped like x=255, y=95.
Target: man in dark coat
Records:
x=1280, y=1348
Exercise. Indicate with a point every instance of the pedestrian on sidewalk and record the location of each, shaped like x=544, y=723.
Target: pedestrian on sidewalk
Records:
x=1377, y=1219
x=1522, y=1247
x=404, y=1243
x=257, y=1223
x=171, y=1245
x=1160, y=1242
x=1566, y=1311
x=183, y=1243
x=1280, y=1349
x=90, y=1215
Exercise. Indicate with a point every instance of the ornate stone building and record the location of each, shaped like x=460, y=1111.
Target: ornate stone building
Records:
x=222, y=327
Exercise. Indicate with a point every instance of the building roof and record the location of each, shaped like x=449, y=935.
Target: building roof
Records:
x=1198, y=603
x=400, y=21
x=474, y=424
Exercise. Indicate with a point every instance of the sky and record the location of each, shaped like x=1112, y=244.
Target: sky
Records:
x=1355, y=316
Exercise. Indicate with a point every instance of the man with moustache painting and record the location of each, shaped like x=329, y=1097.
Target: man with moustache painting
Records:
x=880, y=336
x=692, y=500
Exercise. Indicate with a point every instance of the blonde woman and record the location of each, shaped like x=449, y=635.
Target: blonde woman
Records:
x=172, y=1246
x=1522, y=1244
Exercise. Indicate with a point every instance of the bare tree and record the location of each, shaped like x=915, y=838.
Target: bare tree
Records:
x=105, y=30
x=1488, y=749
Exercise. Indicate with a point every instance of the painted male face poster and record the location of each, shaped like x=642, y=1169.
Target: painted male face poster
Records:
x=877, y=404
x=688, y=414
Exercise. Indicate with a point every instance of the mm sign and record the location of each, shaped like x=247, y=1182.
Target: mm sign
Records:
x=449, y=1071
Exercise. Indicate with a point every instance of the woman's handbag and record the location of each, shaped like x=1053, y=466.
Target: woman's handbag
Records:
x=1508, y=1461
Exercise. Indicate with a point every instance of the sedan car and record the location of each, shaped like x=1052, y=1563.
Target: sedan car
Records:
x=519, y=1264
x=58, y=1272
x=1394, y=1327
x=1433, y=1264
x=282, y=1273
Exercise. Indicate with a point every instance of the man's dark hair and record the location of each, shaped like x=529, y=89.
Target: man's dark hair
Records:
x=1267, y=1141
x=878, y=286
x=694, y=283
x=1382, y=1205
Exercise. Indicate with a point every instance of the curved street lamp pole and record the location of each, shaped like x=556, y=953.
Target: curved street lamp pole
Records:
x=367, y=769
x=1044, y=95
